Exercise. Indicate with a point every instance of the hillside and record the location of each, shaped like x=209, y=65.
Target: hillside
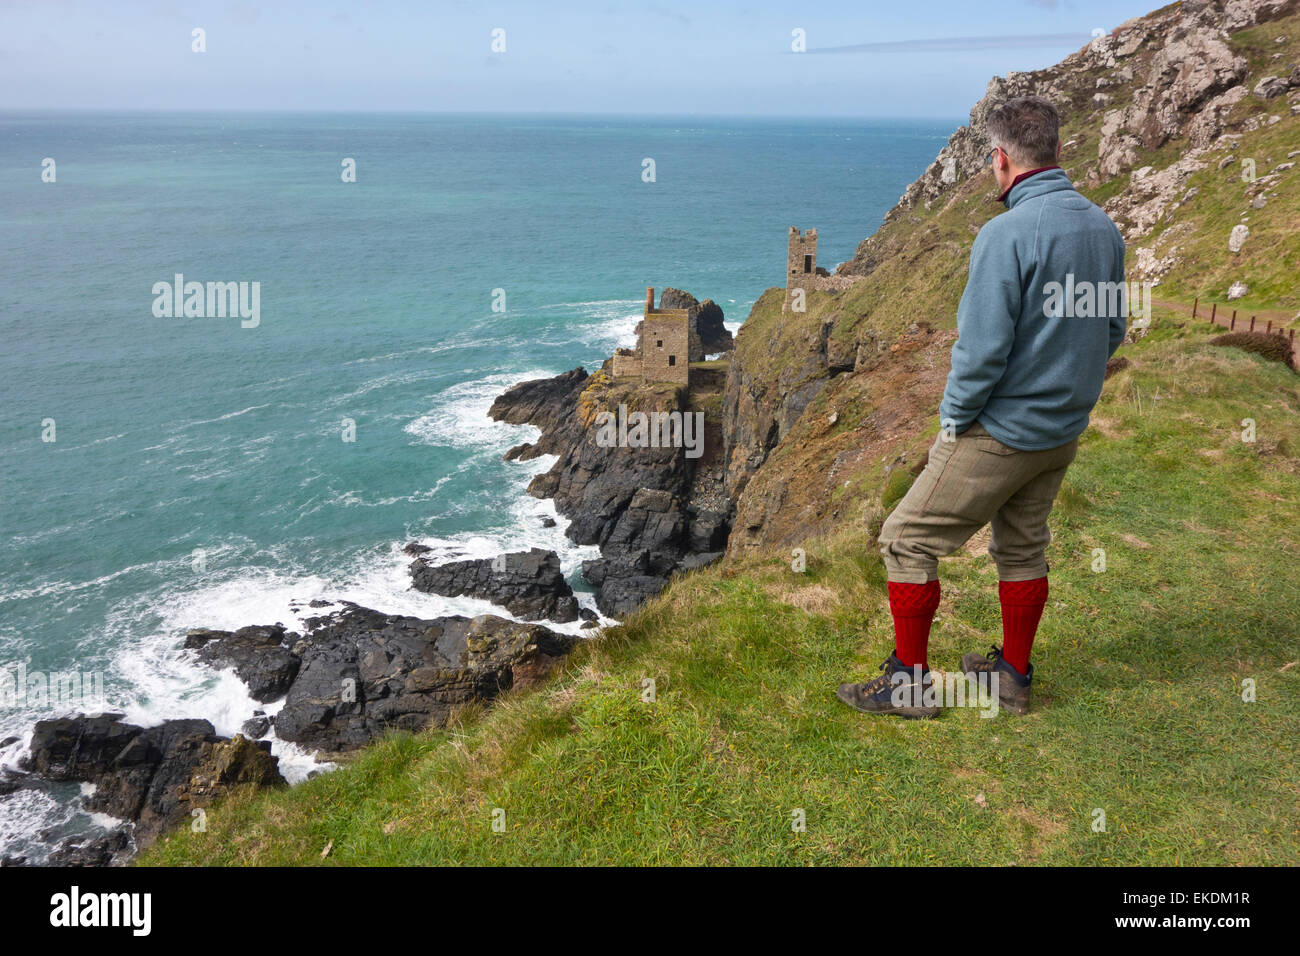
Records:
x=698, y=731
x=1175, y=189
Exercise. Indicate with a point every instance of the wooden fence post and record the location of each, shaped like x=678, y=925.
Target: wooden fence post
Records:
x=1195, y=306
x=1270, y=326
x=1252, y=323
x=1214, y=310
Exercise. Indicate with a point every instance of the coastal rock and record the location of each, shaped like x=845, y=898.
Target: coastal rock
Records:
x=624, y=582
x=1118, y=148
x=365, y=673
x=1182, y=63
x=77, y=748
x=541, y=402
x=707, y=334
x=529, y=584
x=714, y=335
x=881, y=414
x=152, y=776
x=11, y=782
x=1237, y=238
x=653, y=521
x=1237, y=290
x=615, y=497
x=1239, y=14
x=642, y=551
x=694, y=561
x=1192, y=67
x=228, y=763
x=256, y=726
x=1208, y=123
x=107, y=850
x=260, y=655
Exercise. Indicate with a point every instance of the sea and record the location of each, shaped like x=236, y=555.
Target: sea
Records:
x=161, y=471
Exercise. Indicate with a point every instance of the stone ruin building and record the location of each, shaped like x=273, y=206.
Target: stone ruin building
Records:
x=802, y=271
x=664, y=350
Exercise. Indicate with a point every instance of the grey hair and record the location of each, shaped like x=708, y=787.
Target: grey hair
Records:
x=1027, y=128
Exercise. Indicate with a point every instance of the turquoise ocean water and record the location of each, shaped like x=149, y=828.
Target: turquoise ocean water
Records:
x=198, y=475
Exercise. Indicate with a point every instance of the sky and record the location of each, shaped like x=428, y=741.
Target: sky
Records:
x=706, y=57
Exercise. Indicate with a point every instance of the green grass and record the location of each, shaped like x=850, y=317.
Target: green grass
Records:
x=1138, y=697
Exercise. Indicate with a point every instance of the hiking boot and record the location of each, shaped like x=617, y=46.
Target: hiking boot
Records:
x=1013, y=686
x=896, y=691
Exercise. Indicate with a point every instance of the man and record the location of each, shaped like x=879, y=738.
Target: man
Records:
x=1027, y=369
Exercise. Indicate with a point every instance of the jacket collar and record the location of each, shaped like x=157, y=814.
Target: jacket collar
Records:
x=1046, y=179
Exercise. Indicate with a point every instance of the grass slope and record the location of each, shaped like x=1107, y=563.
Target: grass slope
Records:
x=1139, y=707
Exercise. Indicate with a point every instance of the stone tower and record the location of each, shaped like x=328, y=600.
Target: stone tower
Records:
x=665, y=343
x=800, y=264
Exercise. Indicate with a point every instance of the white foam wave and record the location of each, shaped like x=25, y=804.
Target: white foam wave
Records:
x=222, y=418
x=423, y=350
x=460, y=417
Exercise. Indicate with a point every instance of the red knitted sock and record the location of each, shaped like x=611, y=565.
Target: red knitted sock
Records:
x=913, y=607
x=1022, y=608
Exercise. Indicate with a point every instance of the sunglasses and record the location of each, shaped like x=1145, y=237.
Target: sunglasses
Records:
x=988, y=160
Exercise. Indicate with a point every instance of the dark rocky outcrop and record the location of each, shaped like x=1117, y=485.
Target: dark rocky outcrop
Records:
x=10, y=782
x=707, y=334
x=356, y=674
x=260, y=656
x=647, y=509
x=365, y=673
x=107, y=850
x=643, y=548
x=543, y=402
x=151, y=777
x=256, y=726
x=529, y=584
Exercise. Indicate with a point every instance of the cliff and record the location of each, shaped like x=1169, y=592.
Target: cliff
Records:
x=653, y=511
x=825, y=409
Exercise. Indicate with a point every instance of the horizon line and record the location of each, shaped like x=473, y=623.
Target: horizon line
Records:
x=511, y=113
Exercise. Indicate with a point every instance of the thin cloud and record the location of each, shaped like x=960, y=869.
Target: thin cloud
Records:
x=949, y=44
